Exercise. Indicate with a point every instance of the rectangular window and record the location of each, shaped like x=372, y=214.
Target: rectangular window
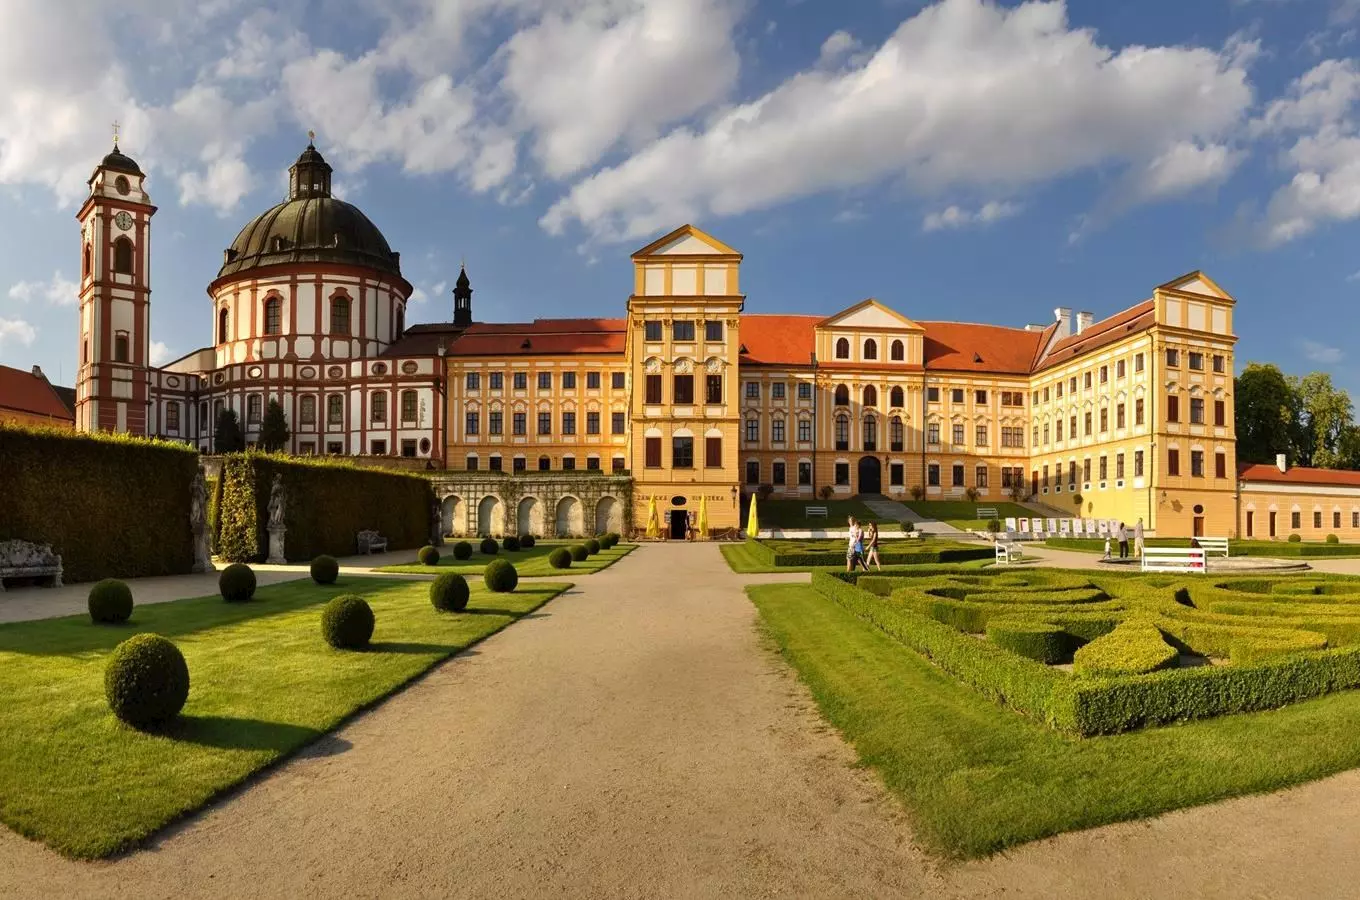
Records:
x=1119, y=368
x=545, y=423
x=1173, y=408
x=592, y=381
x=652, y=330
x=933, y=395
x=956, y=395
x=172, y=416
x=120, y=347
x=1336, y=518
x=713, y=389
x=254, y=407
x=568, y=381
x=804, y=391
x=1138, y=464
x=752, y=430
x=618, y=380
x=933, y=475
x=377, y=448
x=980, y=436
x=377, y=403
x=1119, y=417
x=752, y=390
x=1317, y=518
x=980, y=398
x=495, y=422
x=568, y=464
x=1104, y=374
x=568, y=423
x=1221, y=470
x=980, y=477
x=497, y=380
x=1071, y=473
x=617, y=423
x=1104, y=419
x=805, y=430
x=1220, y=413
x=1220, y=364
x=805, y=473
x=653, y=389
x=592, y=423
x=957, y=434
x=1057, y=390
x=521, y=380
x=1196, y=410
x=957, y=473
x=713, y=330
x=1173, y=357
x=617, y=464
x=777, y=390
x=682, y=453
x=1296, y=520
x=1088, y=424
x=713, y=453
x=777, y=473
x=1196, y=361
x=752, y=471
x=1087, y=382
x=777, y=431
x=472, y=464
x=933, y=433
x=897, y=474
x=1173, y=462
x=843, y=473
x=1138, y=411
x=653, y=452
x=474, y=381
x=1072, y=385
x=520, y=423
x=471, y=423
x=1012, y=398
x=1086, y=470
x=1057, y=431
x=410, y=404
x=1138, y=362
x=545, y=381
x=494, y=464
x=682, y=330
x=684, y=390
x=544, y=464
x=593, y=463
x=1119, y=467
x=1104, y=468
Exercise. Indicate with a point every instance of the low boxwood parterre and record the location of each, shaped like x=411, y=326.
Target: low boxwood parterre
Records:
x=804, y=554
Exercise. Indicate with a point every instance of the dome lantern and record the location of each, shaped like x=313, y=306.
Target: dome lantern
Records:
x=310, y=176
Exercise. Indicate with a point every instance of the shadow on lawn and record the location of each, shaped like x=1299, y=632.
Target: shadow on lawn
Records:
x=230, y=733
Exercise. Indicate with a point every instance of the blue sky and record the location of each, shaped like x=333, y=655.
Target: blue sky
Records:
x=957, y=160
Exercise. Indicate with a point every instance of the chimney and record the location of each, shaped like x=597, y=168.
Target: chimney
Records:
x=1281, y=462
x=38, y=373
x=1084, y=320
x=1063, y=315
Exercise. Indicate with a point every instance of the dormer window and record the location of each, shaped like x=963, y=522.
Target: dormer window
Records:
x=279, y=244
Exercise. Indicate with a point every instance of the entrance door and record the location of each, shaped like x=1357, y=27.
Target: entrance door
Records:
x=1034, y=482
x=1251, y=523
x=678, y=520
x=1272, y=523
x=1198, y=526
x=870, y=475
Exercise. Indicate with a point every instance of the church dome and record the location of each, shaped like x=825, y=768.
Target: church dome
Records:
x=116, y=161
x=310, y=226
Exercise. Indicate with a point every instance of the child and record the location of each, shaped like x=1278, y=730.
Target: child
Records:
x=1107, y=546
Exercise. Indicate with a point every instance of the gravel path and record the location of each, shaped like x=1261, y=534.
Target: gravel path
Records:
x=635, y=739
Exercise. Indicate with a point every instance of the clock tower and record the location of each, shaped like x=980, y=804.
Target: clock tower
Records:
x=113, y=385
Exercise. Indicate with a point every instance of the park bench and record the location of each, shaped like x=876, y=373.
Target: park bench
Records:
x=23, y=559
x=371, y=542
x=986, y=513
x=1214, y=545
x=1173, y=559
x=814, y=512
x=1008, y=551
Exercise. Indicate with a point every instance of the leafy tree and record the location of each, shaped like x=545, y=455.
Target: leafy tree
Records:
x=1327, y=414
x=227, y=437
x=1267, y=414
x=274, y=431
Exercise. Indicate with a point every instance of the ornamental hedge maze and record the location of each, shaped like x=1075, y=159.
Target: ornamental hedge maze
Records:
x=1090, y=653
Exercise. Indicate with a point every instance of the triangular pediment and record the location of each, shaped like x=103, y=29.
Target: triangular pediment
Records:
x=686, y=241
x=870, y=314
x=1196, y=283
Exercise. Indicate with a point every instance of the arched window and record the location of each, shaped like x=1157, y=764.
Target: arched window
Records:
x=254, y=409
x=273, y=315
x=120, y=347
x=339, y=315
x=307, y=410
x=122, y=256
x=378, y=403
x=898, y=351
x=842, y=432
x=871, y=349
x=871, y=396
x=895, y=432
x=335, y=410
x=223, y=320
x=895, y=398
x=85, y=264
x=842, y=395
x=410, y=402
x=85, y=352
x=870, y=433
x=843, y=348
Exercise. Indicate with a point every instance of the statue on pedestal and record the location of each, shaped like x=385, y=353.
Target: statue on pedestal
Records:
x=277, y=500
x=198, y=524
x=436, y=524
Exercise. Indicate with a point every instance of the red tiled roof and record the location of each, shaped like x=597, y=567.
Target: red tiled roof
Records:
x=424, y=339
x=1302, y=475
x=778, y=340
x=967, y=347
x=543, y=337
x=28, y=393
x=1106, y=331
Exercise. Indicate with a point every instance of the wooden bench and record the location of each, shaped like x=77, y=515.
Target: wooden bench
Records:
x=1008, y=552
x=1214, y=545
x=1173, y=559
x=23, y=559
x=986, y=513
x=371, y=542
x=814, y=512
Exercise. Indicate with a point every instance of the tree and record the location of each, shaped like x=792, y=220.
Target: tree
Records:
x=1327, y=414
x=227, y=437
x=274, y=430
x=1267, y=415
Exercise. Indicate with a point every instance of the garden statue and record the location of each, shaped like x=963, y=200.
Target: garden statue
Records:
x=198, y=524
x=436, y=523
x=277, y=501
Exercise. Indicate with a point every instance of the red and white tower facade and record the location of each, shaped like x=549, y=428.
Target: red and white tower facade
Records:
x=113, y=386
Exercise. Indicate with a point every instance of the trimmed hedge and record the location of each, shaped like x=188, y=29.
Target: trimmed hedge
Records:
x=579, y=553
x=110, y=602
x=780, y=558
x=146, y=680
x=1133, y=648
x=347, y=622
x=592, y=546
x=325, y=570
x=462, y=550
x=560, y=558
x=329, y=503
x=527, y=541
x=449, y=592
x=500, y=576
x=237, y=583
x=1032, y=640
x=510, y=543
x=112, y=506
x=489, y=547
x=428, y=556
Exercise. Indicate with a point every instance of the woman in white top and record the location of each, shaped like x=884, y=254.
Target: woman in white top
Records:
x=854, y=545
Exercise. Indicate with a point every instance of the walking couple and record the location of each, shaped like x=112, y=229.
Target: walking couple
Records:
x=861, y=546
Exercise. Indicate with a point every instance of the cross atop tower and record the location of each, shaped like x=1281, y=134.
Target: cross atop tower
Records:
x=115, y=134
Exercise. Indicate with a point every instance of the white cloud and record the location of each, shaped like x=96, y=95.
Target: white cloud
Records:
x=836, y=47
x=1320, y=353
x=57, y=291
x=954, y=217
x=965, y=93
x=17, y=331
x=160, y=353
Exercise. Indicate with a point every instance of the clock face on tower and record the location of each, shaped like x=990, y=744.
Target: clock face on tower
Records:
x=123, y=220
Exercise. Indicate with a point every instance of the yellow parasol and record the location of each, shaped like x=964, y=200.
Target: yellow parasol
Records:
x=653, y=521
x=703, y=518
x=752, y=520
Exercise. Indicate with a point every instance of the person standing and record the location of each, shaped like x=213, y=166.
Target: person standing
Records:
x=871, y=554
x=1138, y=538
x=1123, y=541
x=853, y=544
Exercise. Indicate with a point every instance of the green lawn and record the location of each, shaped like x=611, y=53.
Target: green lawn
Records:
x=774, y=513
x=1285, y=549
x=962, y=514
x=978, y=778
x=263, y=684
x=533, y=561
x=741, y=560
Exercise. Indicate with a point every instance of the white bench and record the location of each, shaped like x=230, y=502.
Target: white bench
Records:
x=986, y=512
x=1173, y=559
x=814, y=512
x=1214, y=545
x=1008, y=552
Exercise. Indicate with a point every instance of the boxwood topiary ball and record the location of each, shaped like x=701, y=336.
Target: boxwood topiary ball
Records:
x=462, y=550
x=325, y=570
x=146, y=680
x=511, y=543
x=449, y=592
x=489, y=546
x=560, y=558
x=500, y=576
x=1295, y=538
x=1333, y=539
x=592, y=546
x=579, y=552
x=428, y=556
x=237, y=583
x=527, y=541
x=347, y=622
x=110, y=601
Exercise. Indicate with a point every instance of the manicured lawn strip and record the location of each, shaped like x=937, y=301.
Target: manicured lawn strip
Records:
x=978, y=778
x=742, y=560
x=529, y=563
x=263, y=684
x=1282, y=549
x=963, y=515
x=775, y=513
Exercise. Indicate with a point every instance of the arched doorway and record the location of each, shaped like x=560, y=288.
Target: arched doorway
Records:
x=570, y=519
x=490, y=521
x=451, y=515
x=870, y=475
x=608, y=516
x=530, y=517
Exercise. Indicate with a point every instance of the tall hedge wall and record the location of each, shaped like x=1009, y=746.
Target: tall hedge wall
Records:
x=112, y=506
x=329, y=503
